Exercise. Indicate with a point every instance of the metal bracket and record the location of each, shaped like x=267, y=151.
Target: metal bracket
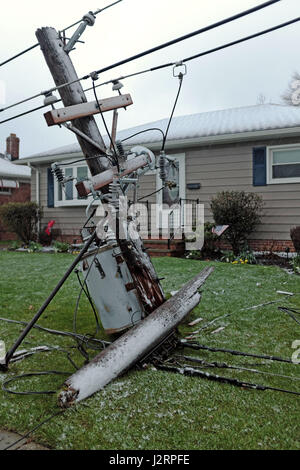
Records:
x=181, y=73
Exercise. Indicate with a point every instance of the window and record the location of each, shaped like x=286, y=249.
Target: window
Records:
x=284, y=164
x=67, y=195
x=5, y=191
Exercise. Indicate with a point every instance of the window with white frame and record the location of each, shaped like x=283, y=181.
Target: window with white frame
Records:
x=67, y=195
x=284, y=164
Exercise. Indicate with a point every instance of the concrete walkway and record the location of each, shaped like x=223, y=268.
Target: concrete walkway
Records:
x=8, y=438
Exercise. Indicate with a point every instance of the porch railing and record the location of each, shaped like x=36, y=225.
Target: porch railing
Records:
x=176, y=218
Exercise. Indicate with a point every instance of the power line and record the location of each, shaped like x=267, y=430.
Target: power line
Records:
x=160, y=67
x=190, y=35
x=100, y=10
x=152, y=50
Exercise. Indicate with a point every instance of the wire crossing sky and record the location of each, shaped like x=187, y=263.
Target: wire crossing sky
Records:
x=228, y=78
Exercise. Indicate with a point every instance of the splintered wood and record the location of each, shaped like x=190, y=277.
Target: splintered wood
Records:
x=135, y=344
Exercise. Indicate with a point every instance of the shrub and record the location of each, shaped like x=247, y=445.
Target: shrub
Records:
x=296, y=264
x=61, y=247
x=241, y=211
x=34, y=247
x=22, y=218
x=246, y=256
x=210, y=239
x=209, y=246
x=295, y=236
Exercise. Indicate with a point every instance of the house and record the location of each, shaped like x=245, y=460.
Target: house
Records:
x=253, y=148
x=14, y=180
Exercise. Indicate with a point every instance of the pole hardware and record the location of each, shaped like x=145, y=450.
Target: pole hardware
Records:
x=88, y=20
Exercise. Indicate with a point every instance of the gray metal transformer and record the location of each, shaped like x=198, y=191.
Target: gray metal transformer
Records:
x=111, y=287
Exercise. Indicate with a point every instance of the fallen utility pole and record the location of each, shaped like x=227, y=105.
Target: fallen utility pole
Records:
x=63, y=71
x=130, y=348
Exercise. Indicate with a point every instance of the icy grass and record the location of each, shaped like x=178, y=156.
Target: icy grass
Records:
x=151, y=409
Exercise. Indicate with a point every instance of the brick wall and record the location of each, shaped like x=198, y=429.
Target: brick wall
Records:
x=264, y=245
x=22, y=194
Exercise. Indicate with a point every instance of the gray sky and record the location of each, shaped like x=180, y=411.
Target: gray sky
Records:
x=231, y=78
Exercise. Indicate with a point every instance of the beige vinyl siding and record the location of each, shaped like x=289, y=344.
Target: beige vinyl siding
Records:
x=217, y=168
x=229, y=167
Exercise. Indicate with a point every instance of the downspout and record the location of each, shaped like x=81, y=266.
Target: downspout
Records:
x=37, y=189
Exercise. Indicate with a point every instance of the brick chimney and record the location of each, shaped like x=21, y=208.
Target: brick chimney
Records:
x=12, y=146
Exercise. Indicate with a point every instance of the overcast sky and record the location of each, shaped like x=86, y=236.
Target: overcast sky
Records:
x=230, y=78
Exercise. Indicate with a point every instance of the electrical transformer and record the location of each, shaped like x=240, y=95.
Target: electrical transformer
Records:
x=112, y=289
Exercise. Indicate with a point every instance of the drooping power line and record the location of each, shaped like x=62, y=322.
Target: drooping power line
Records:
x=169, y=64
x=152, y=50
x=100, y=10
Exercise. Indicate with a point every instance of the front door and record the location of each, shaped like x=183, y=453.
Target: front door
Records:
x=168, y=214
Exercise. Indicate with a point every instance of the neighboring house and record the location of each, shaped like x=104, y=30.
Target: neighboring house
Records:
x=14, y=180
x=254, y=148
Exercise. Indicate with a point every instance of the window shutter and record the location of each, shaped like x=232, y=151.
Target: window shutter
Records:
x=50, y=187
x=259, y=166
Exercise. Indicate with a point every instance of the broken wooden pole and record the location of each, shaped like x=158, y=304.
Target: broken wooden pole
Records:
x=125, y=352
x=63, y=71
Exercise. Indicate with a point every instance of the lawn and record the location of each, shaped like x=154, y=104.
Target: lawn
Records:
x=153, y=409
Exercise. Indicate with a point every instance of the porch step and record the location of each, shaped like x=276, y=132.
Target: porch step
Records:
x=160, y=247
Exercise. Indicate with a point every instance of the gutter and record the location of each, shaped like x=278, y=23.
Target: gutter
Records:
x=180, y=143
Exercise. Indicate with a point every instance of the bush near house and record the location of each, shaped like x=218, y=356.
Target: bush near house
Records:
x=241, y=211
x=295, y=236
x=22, y=218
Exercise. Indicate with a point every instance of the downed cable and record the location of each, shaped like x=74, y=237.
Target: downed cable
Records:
x=217, y=378
x=197, y=346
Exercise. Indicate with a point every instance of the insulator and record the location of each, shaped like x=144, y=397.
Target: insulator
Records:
x=114, y=193
x=57, y=171
x=162, y=168
x=50, y=99
x=120, y=149
x=117, y=85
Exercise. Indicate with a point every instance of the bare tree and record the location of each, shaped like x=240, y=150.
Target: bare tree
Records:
x=291, y=96
x=261, y=99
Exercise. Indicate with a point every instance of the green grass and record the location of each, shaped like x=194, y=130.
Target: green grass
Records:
x=150, y=409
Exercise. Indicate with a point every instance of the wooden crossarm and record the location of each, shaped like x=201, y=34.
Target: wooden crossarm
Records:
x=59, y=116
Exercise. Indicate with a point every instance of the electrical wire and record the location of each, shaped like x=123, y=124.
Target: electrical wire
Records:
x=115, y=154
x=153, y=69
x=162, y=46
x=142, y=132
x=58, y=332
x=223, y=365
x=195, y=345
x=61, y=31
x=151, y=194
x=172, y=114
x=189, y=371
x=35, y=428
x=32, y=374
x=290, y=312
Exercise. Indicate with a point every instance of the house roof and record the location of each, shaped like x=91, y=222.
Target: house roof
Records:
x=209, y=127
x=10, y=170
